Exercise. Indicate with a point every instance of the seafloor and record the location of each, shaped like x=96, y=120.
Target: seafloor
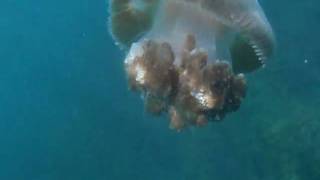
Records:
x=66, y=112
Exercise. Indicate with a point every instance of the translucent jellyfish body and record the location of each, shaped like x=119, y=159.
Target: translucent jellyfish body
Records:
x=187, y=56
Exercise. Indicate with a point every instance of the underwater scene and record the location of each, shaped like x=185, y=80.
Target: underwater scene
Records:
x=160, y=90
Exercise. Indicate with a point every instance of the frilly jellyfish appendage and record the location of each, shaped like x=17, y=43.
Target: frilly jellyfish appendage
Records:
x=187, y=57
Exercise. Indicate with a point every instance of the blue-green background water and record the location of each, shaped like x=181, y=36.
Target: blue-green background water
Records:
x=66, y=112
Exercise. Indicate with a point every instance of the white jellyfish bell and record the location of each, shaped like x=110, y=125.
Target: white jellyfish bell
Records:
x=187, y=56
x=234, y=28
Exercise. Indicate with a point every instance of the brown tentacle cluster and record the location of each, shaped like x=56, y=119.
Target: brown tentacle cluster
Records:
x=192, y=91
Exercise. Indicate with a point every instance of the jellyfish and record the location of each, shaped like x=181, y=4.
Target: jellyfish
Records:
x=188, y=57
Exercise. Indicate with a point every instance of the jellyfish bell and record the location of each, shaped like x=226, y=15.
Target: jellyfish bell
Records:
x=187, y=56
x=228, y=29
x=129, y=19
